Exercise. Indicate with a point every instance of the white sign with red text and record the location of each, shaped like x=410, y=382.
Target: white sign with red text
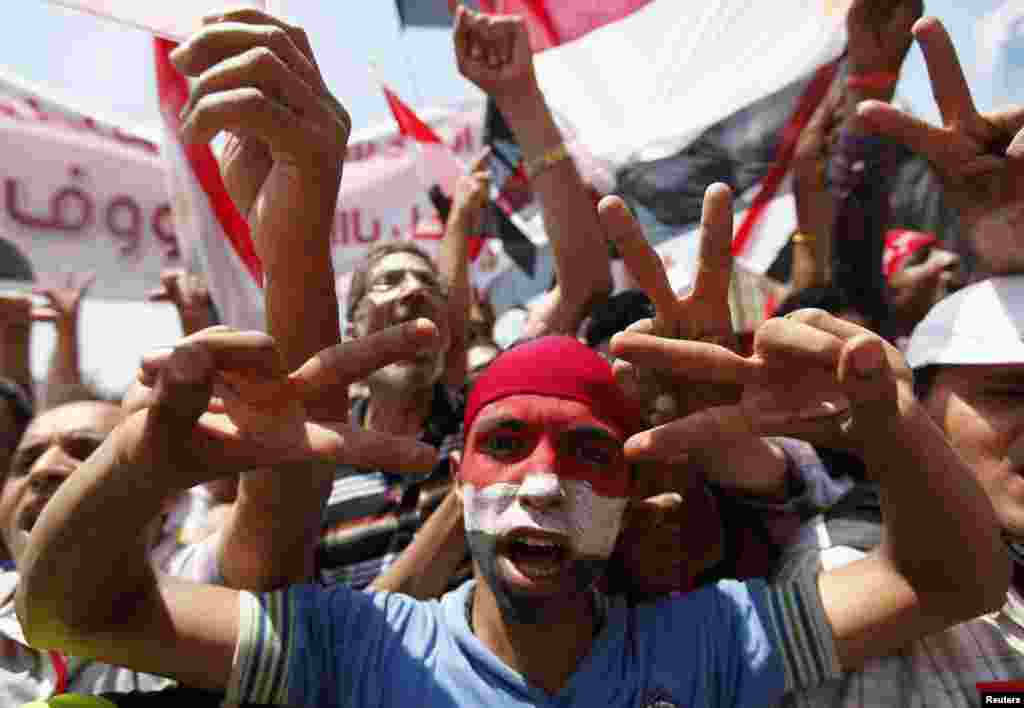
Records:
x=78, y=193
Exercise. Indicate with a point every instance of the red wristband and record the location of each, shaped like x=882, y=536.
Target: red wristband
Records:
x=879, y=81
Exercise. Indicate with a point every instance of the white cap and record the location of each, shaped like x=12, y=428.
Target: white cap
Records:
x=981, y=324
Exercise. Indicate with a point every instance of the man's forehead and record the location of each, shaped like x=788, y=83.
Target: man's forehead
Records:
x=85, y=417
x=522, y=410
x=402, y=260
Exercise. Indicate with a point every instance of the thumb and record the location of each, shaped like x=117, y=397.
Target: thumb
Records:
x=180, y=395
x=868, y=381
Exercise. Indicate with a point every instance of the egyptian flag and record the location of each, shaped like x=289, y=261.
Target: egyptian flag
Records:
x=439, y=168
x=672, y=96
x=214, y=235
x=572, y=541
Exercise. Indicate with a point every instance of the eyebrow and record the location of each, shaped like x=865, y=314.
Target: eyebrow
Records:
x=28, y=443
x=489, y=425
x=595, y=431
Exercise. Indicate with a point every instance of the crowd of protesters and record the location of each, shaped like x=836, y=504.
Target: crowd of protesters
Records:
x=624, y=503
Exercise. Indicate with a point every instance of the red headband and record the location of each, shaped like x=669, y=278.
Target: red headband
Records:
x=560, y=367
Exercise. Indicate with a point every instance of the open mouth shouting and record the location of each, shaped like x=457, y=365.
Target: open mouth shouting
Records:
x=529, y=557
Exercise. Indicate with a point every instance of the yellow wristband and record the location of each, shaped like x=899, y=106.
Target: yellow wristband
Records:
x=550, y=158
x=801, y=237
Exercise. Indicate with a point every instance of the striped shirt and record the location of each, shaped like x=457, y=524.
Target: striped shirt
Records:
x=372, y=516
x=940, y=671
x=736, y=644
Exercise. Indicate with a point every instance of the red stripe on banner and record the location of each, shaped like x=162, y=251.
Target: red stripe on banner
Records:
x=809, y=102
x=173, y=93
x=409, y=124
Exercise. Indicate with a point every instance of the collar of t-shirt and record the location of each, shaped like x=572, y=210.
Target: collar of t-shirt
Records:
x=604, y=658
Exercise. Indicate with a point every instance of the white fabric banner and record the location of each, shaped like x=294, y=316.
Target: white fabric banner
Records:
x=173, y=20
x=82, y=194
x=647, y=85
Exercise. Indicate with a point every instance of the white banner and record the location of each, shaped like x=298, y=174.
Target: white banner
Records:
x=78, y=193
x=81, y=194
x=173, y=20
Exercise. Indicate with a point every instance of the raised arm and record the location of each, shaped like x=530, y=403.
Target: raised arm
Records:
x=190, y=297
x=68, y=598
x=464, y=221
x=831, y=382
x=494, y=53
x=979, y=156
x=862, y=164
x=425, y=569
x=64, y=377
x=258, y=80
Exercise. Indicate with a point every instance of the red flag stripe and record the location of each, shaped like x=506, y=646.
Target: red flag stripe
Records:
x=809, y=102
x=173, y=92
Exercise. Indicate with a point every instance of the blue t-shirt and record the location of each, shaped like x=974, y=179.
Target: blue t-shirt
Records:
x=718, y=646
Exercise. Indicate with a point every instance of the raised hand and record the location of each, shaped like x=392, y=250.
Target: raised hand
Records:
x=258, y=81
x=264, y=416
x=189, y=295
x=812, y=376
x=980, y=157
x=63, y=300
x=472, y=190
x=493, y=51
x=914, y=290
x=878, y=34
x=703, y=315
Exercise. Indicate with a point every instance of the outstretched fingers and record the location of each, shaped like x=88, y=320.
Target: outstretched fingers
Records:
x=639, y=257
x=688, y=360
x=337, y=444
x=949, y=86
x=715, y=260
x=921, y=137
x=356, y=359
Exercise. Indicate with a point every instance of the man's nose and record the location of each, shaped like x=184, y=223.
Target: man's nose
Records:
x=541, y=490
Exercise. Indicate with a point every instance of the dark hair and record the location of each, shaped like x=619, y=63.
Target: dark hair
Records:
x=924, y=380
x=357, y=288
x=615, y=314
x=822, y=297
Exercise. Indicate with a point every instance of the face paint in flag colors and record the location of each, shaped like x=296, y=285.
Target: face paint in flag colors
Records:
x=544, y=486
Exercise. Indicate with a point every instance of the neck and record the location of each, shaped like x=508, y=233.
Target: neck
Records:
x=545, y=653
x=399, y=412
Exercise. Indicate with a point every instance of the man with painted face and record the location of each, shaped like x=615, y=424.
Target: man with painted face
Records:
x=544, y=479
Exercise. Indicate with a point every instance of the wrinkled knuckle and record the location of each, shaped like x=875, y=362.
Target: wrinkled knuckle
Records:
x=772, y=327
x=812, y=316
x=276, y=37
x=262, y=58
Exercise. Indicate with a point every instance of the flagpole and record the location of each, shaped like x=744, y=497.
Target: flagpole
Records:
x=416, y=93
